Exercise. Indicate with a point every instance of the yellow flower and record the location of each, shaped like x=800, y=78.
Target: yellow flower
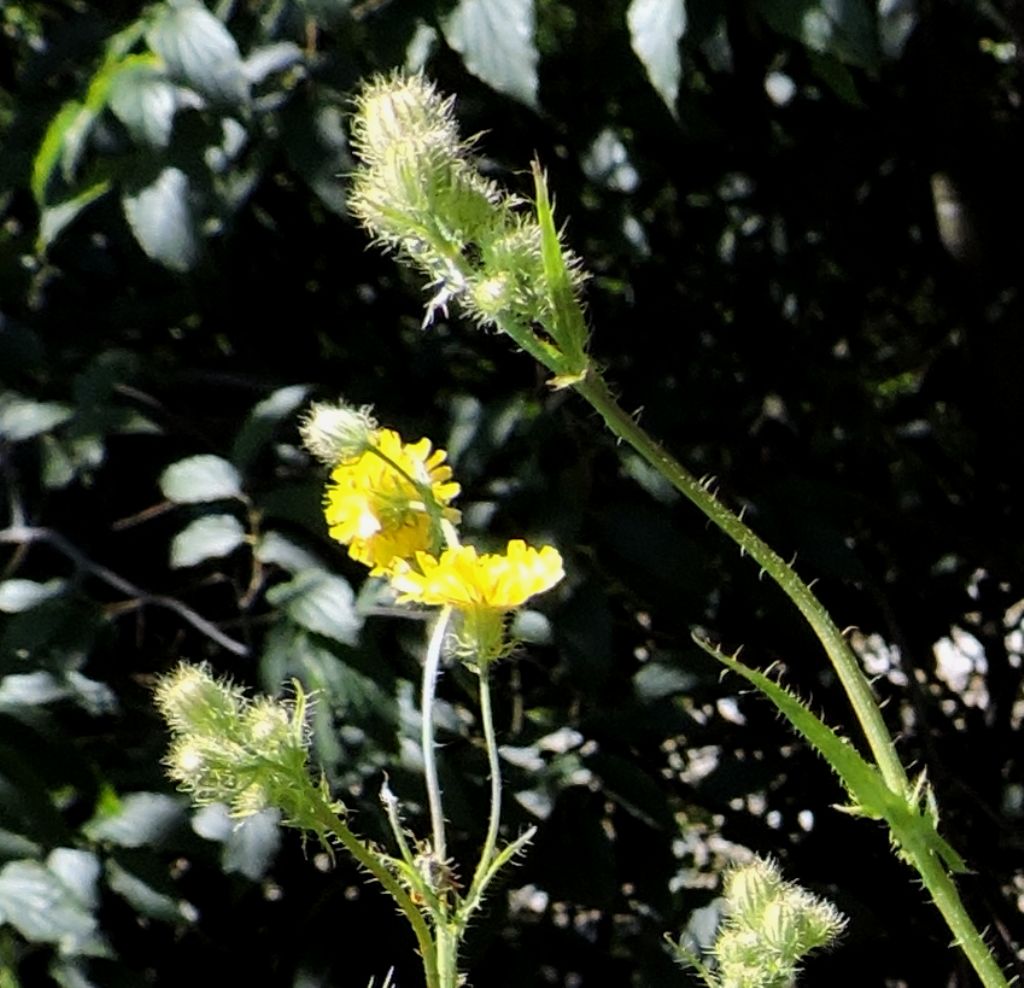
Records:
x=470, y=582
x=375, y=502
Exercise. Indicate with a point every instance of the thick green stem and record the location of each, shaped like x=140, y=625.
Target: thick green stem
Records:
x=332, y=824
x=431, y=668
x=595, y=391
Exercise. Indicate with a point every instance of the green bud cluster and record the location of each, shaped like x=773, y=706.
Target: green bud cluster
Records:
x=228, y=748
x=769, y=926
x=419, y=192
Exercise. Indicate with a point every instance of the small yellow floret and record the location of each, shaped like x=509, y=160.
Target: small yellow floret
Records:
x=375, y=505
x=467, y=581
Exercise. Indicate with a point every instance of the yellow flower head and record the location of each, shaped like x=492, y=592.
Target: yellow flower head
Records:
x=375, y=502
x=470, y=582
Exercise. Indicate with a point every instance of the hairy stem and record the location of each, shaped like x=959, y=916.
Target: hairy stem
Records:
x=595, y=391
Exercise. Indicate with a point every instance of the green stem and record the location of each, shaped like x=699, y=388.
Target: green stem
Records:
x=946, y=897
x=595, y=391
x=431, y=668
x=491, y=840
x=332, y=824
x=448, y=956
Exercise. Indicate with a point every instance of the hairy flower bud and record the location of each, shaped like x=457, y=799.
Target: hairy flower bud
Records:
x=334, y=432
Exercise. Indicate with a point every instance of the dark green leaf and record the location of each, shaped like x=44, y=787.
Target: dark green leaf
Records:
x=143, y=893
x=322, y=603
x=842, y=28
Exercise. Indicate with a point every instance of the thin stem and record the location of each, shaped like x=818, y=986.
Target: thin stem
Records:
x=595, y=391
x=431, y=670
x=494, y=767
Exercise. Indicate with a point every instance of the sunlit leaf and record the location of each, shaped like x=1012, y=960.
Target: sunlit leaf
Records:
x=495, y=40
x=21, y=418
x=655, y=30
x=143, y=99
x=209, y=537
x=22, y=595
x=161, y=217
x=42, y=908
x=200, y=478
x=140, y=819
x=200, y=52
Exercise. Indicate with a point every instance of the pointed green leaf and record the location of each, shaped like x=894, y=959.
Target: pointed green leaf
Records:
x=209, y=537
x=55, y=218
x=862, y=780
x=200, y=478
x=161, y=217
x=655, y=30
x=495, y=40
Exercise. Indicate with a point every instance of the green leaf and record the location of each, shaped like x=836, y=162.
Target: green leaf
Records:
x=863, y=781
x=845, y=29
x=161, y=217
x=655, y=30
x=209, y=537
x=252, y=844
x=200, y=478
x=143, y=893
x=270, y=59
x=320, y=602
x=38, y=904
x=199, y=52
x=140, y=819
x=22, y=418
x=144, y=100
x=22, y=595
x=495, y=40
x=68, y=120
x=264, y=419
x=55, y=218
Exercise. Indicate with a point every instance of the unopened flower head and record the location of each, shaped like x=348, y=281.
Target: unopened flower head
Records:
x=389, y=502
x=396, y=109
x=333, y=432
x=252, y=759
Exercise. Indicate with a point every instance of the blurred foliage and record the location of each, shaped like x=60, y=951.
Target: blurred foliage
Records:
x=799, y=218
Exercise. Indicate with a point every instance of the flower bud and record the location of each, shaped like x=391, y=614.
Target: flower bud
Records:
x=337, y=432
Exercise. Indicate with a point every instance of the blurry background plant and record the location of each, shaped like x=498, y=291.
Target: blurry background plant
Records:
x=795, y=216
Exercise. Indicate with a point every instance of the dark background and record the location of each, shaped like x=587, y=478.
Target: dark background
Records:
x=815, y=299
